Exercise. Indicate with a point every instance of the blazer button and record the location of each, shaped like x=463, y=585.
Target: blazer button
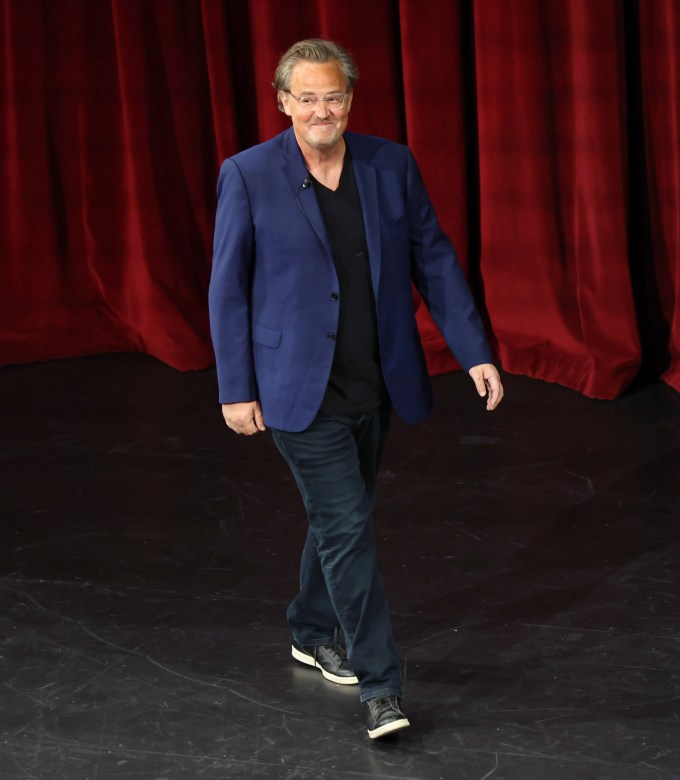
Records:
x=334, y=296
x=330, y=336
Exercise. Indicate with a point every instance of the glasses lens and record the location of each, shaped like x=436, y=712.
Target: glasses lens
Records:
x=309, y=102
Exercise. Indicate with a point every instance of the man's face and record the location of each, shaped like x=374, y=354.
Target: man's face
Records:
x=320, y=129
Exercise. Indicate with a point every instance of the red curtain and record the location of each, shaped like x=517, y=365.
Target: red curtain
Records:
x=660, y=36
x=547, y=132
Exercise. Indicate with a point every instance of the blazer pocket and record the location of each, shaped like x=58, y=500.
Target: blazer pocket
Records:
x=268, y=337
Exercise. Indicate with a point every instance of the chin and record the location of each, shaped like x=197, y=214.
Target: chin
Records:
x=324, y=143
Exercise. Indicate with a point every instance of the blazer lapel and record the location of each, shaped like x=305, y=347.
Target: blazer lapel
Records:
x=296, y=173
x=367, y=182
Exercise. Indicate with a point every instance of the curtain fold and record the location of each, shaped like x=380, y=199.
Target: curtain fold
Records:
x=552, y=129
x=116, y=115
x=440, y=146
x=660, y=57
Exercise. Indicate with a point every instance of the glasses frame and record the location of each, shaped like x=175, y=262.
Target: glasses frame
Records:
x=316, y=100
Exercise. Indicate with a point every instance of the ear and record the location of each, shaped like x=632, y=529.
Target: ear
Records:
x=284, y=97
x=348, y=102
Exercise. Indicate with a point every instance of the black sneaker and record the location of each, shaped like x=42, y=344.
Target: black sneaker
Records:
x=330, y=659
x=384, y=716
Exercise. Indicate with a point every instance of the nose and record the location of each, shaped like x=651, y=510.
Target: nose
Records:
x=321, y=109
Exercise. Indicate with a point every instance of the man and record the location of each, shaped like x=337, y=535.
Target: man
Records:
x=319, y=234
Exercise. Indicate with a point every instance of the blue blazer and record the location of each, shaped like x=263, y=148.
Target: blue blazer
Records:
x=274, y=291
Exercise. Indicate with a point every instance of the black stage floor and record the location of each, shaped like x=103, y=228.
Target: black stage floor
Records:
x=531, y=556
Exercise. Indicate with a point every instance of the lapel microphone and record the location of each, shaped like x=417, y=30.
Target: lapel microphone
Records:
x=307, y=183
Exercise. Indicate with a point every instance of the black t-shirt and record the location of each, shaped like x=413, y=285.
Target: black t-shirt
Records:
x=355, y=384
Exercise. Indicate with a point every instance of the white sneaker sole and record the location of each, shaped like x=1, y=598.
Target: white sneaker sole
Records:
x=388, y=728
x=303, y=658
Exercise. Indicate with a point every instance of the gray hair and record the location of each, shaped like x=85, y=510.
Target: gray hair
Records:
x=314, y=50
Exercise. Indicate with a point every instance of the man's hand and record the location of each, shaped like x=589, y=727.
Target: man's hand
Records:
x=485, y=377
x=244, y=417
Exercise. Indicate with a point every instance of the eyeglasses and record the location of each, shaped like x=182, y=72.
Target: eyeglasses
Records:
x=334, y=101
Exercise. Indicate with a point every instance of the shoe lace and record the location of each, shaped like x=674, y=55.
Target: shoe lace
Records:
x=336, y=650
x=382, y=704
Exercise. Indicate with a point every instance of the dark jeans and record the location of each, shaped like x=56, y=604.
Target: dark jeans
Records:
x=334, y=463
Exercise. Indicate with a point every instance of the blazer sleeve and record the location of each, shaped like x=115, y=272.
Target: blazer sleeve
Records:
x=229, y=291
x=439, y=277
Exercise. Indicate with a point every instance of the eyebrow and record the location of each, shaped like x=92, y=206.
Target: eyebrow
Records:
x=311, y=91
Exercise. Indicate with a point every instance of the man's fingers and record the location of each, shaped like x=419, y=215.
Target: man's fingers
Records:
x=488, y=383
x=244, y=418
x=259, y=419
x=478, y=379
x=247, y=427
x=495, y=392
